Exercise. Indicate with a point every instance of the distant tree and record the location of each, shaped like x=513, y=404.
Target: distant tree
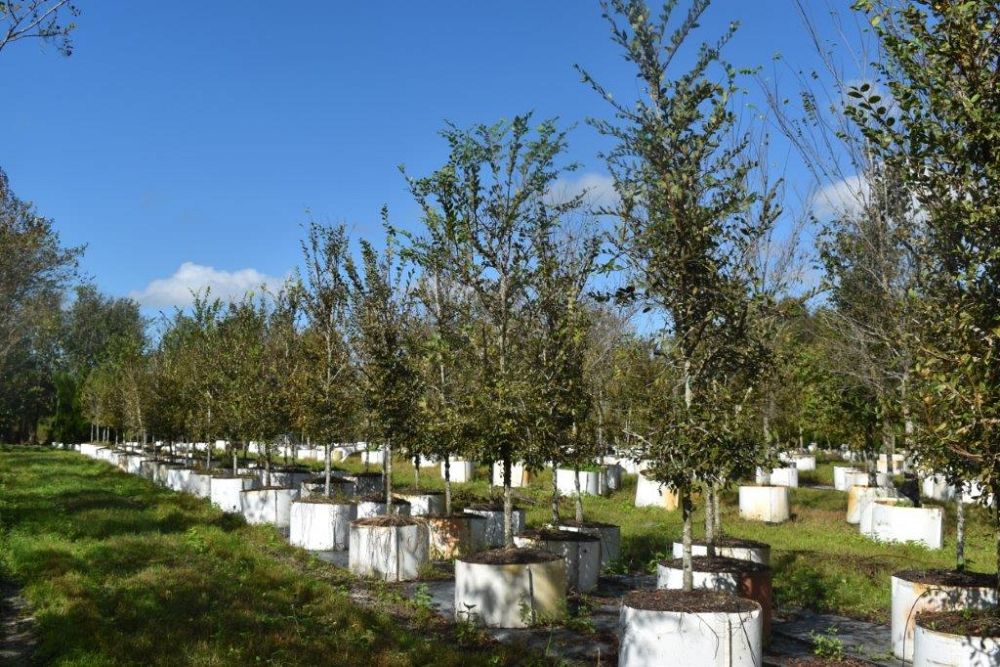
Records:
x=44, y=20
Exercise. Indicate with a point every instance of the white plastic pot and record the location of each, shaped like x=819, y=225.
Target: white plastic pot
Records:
x=321, y=526
x=761, y=554
x=226, y=492
x=509, y=596
x=785, y=477
x=456, y=535
x=494, y=524
x=460, y=471
x=859, y=497
x=804, y=463
x=762, y=476
x=650, y=493
x=519, y=475
x=609, y=534
x=936, y=487
x=338, y=487
x=392, y=553
x=591, y=482
x=613, y=476
x=765, y=503
x=177, y=478
x=373, y=457
x=933, y=649
x=133, y=463
x=582, y=553
x=147, y=470
x=720, y=639
x=424, y=504
x=371, y=508
x=894, y=523
x=866, y=525
x=199, y=484
x=290, y=479
x=910, y=598
x=841, y=475
x=272, y=506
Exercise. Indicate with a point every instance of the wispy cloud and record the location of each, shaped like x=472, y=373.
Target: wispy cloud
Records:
x=599, y=189
x=844, y=198
x=179, y=289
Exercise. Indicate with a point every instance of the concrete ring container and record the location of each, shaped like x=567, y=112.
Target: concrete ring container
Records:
x=894, y=523
x=865, y=525
x=519, y=475
x=591, y=482
x=932, y=648
x=613, y=476
x=936, y=487
x=321, y=526
x=650, y=493
x=147, y=470
x=291, y=479
x=460, y=471
x=609, y=534
x=581, y=551
x=268, y=505
x=199, y=484
x=804, y=463
x=512, y=595
x=721, y=639
x=910, y=598
x=494, y=523
x=424, y=504
x=225, y=493
x=785, y=477
x=840, y=476
x=133, y=463
x=750, y=585
x=389, y=552
x=755, y=554
x=177, y=478
x=769, y=504
x=367, y=483
x=368, y=509
x=859, y=497
x=456, y=535
x=338, y=487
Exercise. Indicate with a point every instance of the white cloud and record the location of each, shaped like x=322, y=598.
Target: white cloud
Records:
x=190, y=278
x=599, y=188
x=844, y=198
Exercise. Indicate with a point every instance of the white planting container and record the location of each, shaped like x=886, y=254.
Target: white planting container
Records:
x=321, y=526
x=392, y=553
x=866, y=525
x=893, y=523
x=762, y=476
x=804, y=463
x=755, y=554
x=785, y=477
x=133, y=463
x=650, y=493
x=519, y=475
x=724, y=639
x=268, y=505
x=857, y=478
x=910, y=598
x=225, y=492
x=765, y=503
x=372, y=508
x=177, y=478
x=932, y=648
x=509, y=595
x=373, y=457
x=613, y=476
x=366, y=484
x=147, y=470
x=291, y=479
x=456, y=535
x=936, y=487
x=609, y=534
x=841, y=474
x=460, y=471
x=628, y=466
x=338, y=487
x=199, y=484
x=423, y=504
x=494, y=523
x=89, y=449
x=581, y=551
x=859, y=497
x=591, y=482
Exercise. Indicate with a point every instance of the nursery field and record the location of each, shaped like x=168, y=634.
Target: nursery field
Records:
x=119, y=571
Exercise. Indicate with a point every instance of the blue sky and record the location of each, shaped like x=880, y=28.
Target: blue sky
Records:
x=185, y=141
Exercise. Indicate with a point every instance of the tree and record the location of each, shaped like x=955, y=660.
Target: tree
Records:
x=493, y=198
x=940, y=132
x=681, y=176
x=38, y=19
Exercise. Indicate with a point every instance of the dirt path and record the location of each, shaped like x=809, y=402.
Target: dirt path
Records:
x=17, y=626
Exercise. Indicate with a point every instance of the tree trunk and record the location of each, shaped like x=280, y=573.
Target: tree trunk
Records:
x=709, y=520
x=447, y=485
x=416, y=471
x=687, y=509
x=387, y=474
x=960, y=530
x=326, y=469
x=717, y=511
x=508, y=505
x=579, y=496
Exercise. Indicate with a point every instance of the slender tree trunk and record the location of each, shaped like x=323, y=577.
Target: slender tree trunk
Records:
x=508, y=504
x=326, y=469
x=447, y=484
x=687, y=510
x=267, y=465
x=960, y=530
x=416, y=471
x=579, y=495
x=387, y=473
x=709, y=520
x=717, y=511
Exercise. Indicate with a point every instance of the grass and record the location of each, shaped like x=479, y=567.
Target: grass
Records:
x=819, y=561
x=121, y=572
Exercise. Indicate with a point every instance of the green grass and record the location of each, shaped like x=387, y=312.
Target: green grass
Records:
x=819, y=560
x=121, y=572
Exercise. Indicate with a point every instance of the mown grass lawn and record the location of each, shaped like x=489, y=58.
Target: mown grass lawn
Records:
x=121, y=572
x=819, y=561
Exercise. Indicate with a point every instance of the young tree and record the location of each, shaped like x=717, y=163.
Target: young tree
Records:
x=38, y=19
x=681, y=170
x=493, y=198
